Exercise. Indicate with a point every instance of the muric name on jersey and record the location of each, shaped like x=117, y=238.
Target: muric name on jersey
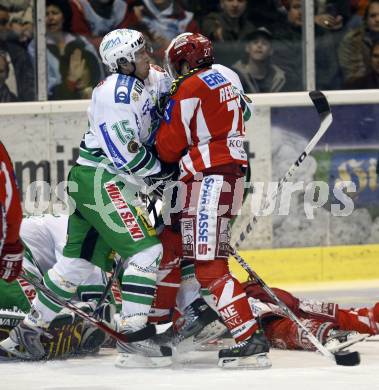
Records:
x=124, y=211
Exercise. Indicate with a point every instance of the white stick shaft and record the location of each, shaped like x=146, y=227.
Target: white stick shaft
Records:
x=326, y=120
x=283, y=306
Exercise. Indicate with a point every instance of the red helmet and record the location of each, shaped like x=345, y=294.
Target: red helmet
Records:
x=196, y=49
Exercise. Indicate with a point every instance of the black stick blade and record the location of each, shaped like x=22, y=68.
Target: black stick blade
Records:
x=347, y=358
x=320, y=102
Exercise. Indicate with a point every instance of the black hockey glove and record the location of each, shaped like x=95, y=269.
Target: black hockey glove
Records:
x=161, y=105
x=158, y=181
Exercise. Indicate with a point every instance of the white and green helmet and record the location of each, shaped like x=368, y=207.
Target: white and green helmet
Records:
x=120, y=44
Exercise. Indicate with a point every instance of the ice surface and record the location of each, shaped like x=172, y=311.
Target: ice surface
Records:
x=197, y=370
x=292, y=370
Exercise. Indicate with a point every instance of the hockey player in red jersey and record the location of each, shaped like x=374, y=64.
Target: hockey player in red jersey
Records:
x=332, y=325
x=203, y=129
x=11, y=249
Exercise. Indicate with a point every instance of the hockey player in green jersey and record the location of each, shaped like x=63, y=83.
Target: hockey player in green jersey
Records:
x=44, y=238
x=114, y=162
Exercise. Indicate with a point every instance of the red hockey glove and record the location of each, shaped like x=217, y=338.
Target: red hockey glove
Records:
x=11, y=261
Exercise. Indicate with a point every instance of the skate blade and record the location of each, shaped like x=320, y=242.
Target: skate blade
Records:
x=209, y=334
x=253, y=362
x=336, y=346
x=127, y=360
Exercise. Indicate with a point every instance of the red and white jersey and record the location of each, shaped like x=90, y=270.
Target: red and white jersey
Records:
x=203, y=124
x=10, y=205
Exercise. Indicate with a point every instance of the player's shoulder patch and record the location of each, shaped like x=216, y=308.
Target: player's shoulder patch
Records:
x=123, y=88
x=213, y=78
x=168, y=111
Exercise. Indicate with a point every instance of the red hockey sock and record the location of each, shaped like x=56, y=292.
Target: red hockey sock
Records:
x=284, y=333
x=230, y=298
x=168, y=277
x=364, y=320
x=234, y=308
x=165, y=299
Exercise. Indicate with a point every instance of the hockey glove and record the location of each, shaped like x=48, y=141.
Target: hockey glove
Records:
x=11, y=261
x=158, y=182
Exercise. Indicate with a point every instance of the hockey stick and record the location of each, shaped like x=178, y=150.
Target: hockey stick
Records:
x=322, y=106
x=342, y=358
x=139, y=335
x=116, y=271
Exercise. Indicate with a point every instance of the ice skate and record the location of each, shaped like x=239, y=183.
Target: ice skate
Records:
x=205, y=340
x=338, y=340
x=250, y=353
x=141, y=354
x=199, y=324
x=24, y=340
x=92, y=337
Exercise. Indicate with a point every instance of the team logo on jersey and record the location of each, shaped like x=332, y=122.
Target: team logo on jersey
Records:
x=132, y=147
x=135, y=96
x=213, y=79
x=124, y=211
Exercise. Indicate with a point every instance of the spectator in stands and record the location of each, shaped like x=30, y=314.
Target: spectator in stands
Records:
x=80, y=73
x=371, y=79
x=95, y=18
x=162, y=20
x=21, y=24
x=267, y=13
x=257, y=73
x=336, y=15
x=354, y=50
x=5, y=94
x=288, y=52
x=230, y=24
x=15, y=5
x=228, y=30
x=58, y=36
x=200, y=8
x=20, y=80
